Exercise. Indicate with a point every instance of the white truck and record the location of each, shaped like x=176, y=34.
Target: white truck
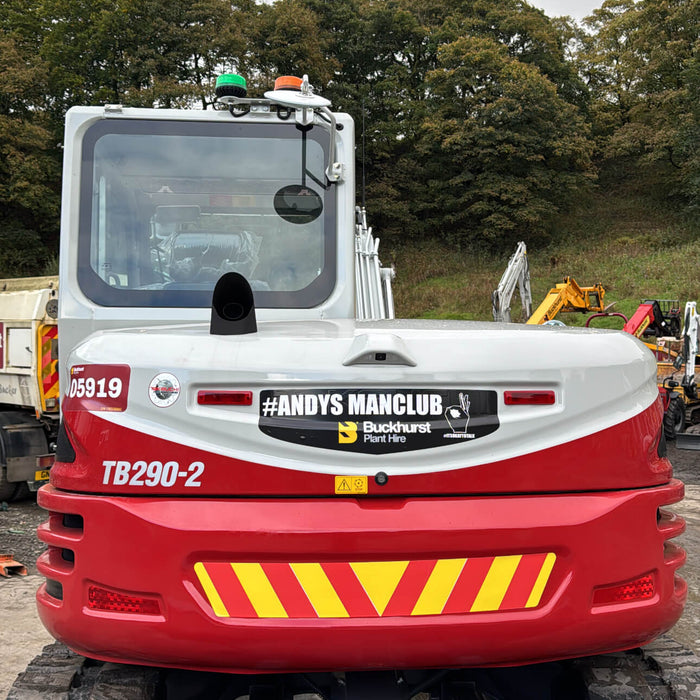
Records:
x=29, y=389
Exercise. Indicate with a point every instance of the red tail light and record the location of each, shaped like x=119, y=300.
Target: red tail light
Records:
x=641, y=588
x=45, y=461
x=111, y=601
x=529, y=398
x=225, y=398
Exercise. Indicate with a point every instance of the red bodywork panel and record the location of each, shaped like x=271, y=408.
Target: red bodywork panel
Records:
x=252, y=583
x=151, y=546
x=623, y=456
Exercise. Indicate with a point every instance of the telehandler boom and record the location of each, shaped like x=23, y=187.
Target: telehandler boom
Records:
x=567, y=296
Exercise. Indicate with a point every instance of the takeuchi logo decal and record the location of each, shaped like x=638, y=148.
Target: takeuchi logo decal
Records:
x=378, y=421
x=164, y=389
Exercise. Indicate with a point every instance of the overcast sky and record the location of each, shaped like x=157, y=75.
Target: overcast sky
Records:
x=578, y=9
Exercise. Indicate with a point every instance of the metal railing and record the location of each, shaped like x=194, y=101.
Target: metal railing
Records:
x=374, y=297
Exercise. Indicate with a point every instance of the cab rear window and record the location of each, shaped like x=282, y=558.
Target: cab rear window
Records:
x=168, y=207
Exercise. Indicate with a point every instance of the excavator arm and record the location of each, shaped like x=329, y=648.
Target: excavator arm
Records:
x=516, y=273
x=567, y=297
x=691, y=326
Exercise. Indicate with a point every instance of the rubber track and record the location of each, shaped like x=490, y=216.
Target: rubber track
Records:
x=663, y=670
x=60, y=674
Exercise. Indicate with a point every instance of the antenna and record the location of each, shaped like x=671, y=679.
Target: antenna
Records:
x=363, y=153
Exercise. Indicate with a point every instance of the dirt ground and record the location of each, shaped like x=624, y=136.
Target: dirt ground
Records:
x=22, y=635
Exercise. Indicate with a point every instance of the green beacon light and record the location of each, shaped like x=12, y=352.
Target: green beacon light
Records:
x=231, y=85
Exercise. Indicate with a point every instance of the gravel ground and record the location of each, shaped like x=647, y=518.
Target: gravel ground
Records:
x=22, y=635
x=18, y=526
x=686, y=467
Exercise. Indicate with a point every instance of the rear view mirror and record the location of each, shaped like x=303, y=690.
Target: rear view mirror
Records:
x=298, y=204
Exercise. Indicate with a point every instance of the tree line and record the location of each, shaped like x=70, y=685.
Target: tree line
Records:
x=481, y=121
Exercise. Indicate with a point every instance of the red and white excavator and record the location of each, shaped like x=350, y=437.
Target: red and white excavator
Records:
x=249, y=480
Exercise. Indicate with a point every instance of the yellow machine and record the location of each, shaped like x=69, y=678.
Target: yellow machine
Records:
x=567, y=297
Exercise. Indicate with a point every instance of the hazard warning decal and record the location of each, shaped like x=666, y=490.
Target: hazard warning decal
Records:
x=351, y=485
x=378, y=421
x=375, y=588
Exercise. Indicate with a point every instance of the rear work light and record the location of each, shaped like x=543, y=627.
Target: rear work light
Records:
x=225, y=398
x=641, y=588
x=110, y=601
x=529, y=398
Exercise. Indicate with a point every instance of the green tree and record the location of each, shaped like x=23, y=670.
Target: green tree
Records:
x=665, y=122
x=503, y=149
x=641, y=63
x=471, y=111
x=532, y=38
x=286, y=39
x=437, y=158
x=610, y=65
x=140, y=52
x=29, y=172
x=688, y=139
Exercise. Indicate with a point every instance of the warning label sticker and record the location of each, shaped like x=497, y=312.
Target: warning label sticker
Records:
x=350, y=485
x=378, y=421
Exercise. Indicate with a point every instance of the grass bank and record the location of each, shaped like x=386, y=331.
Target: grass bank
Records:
x=625, y=237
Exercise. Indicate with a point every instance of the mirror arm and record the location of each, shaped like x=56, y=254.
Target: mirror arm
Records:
x=305, y=104
x=334, y=170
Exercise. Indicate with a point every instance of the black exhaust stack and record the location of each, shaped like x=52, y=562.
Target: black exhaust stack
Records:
x=232, y=306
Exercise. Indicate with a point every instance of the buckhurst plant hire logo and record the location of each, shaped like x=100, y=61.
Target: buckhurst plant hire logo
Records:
x=378, y=421
x=347, y=432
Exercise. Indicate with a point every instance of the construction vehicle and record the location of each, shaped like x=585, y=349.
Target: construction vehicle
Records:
x=517, y=273
x=29, y=389
x=655, y=317
x=249, y=480
x=658, y=321
x=29, y=410
x=567, y=297
x=682, y=401
x=375, y=297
